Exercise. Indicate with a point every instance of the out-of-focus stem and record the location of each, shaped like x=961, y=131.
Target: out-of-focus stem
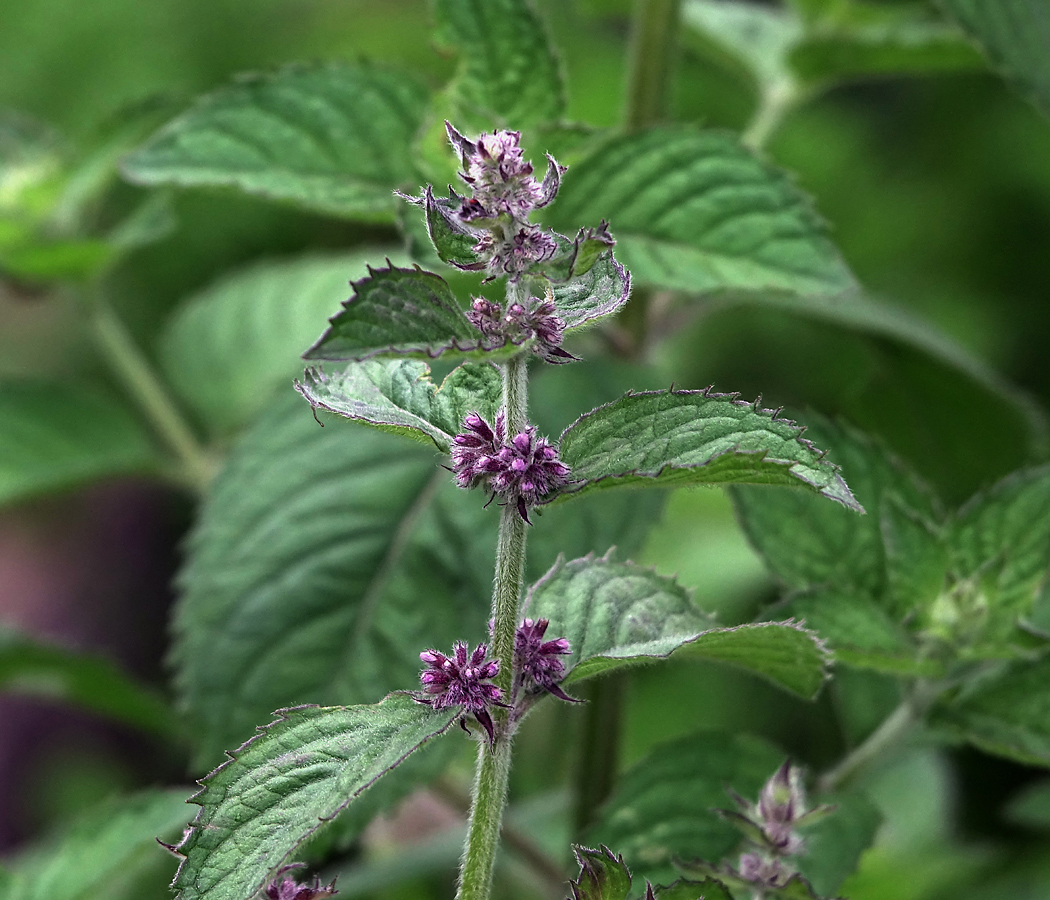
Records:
x=651, y=61
x=599, y=750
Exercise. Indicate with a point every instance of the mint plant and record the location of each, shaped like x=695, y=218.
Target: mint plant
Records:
x=439, y=546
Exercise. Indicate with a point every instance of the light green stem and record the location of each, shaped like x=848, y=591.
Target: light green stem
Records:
x=652, y=58
x=776, y=102
x=493, y=768
x=128, y=363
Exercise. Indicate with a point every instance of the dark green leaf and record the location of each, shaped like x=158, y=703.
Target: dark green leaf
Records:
x=1007, y=714
x=670, y=438
x=1030, y=807
x=1015, y=34
x=859, y=632
x=403, y=312
x=230, y=347
x=616, y=614
x=57, y=436
x=453, y=243
x=603, y=875
x=332, y=138
x=1001, y=541
x=101, y=850
x=693, y=210
x=834, y=843
x=708, y=889
x=808, y=542
x=299, y=771
x=398, y=396
x=94, y=683
x=508, y=73
x=663, y=807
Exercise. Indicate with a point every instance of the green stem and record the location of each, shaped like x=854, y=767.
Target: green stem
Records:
x=130, y=365
x=897, y=726
x=599, y=750
x=493, y=769
x=651, y=60
x=776, y=102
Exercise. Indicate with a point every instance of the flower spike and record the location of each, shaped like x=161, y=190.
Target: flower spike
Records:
x=464, y=679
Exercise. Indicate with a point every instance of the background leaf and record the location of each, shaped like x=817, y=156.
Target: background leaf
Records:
x=398, y=396
x=694, y=437
x=508, y=73
x=55, y=436
x=617, y=613
x=229, y=348
x=299, y=771
x=332, y=138
x=693, y=210
x=102, y=851
x=1016, y=36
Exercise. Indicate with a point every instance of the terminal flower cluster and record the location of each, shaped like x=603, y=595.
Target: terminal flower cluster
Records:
x=463, y=680
x=523, y=470
x=520, y=323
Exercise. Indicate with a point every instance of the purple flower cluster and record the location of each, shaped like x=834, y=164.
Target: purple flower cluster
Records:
x=536, y=660
x=538, y=321
x=524, y=470
x=284, y=887
x=463, y=680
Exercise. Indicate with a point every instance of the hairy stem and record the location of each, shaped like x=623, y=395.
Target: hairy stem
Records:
x=493, y=768
x=894, y=728
x=776, y=102
x=652, y=57
x=134, y=371
x=599, y=750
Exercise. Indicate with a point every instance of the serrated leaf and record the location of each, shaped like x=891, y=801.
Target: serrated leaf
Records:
x=616, y=614
x=859, y=632
x=664, y=805
x=1015, y=34
x=451, y=240
x=398, y=396
x=603, y=875
x=332, y=138
x=300, y=771
x=305, y=569
x=808, y=542
x=917, y=558
x=1001, y=541
x=671, y=438
x=398, y=312
x=51, y=672
x=99, y=849
x=693, y=210
x=1007, y=714
x=55, y=436
x=508, y=74
x=230, y=347
x=599, y=292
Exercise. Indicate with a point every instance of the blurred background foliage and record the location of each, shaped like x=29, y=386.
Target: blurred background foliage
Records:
x=938, y=192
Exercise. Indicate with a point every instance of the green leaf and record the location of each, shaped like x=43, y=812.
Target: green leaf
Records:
x=299, y=771
x=332, y=138
x=62, y=260
x=671, y=438
x=404, y=312
x=616, y=614
x=55, y=436
x=1001, y=541
x=707, y=889
x=230, y=347
x=808, y=542
x=101, y=850
x=695, y=211
x=508, y=74
x=600, y=292
x=603, y=875
x=859, y=632
x=398, y=396
x=835, y=843
x=1015, y=34
x=51, y=672
x=664, y=805
x=453, y=243
x=1007, y=714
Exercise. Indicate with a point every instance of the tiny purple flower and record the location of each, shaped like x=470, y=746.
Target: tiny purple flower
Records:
x=525, y=470
x=537, y=660
x=521, y=323
x=463, y=680
x=284, y=887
